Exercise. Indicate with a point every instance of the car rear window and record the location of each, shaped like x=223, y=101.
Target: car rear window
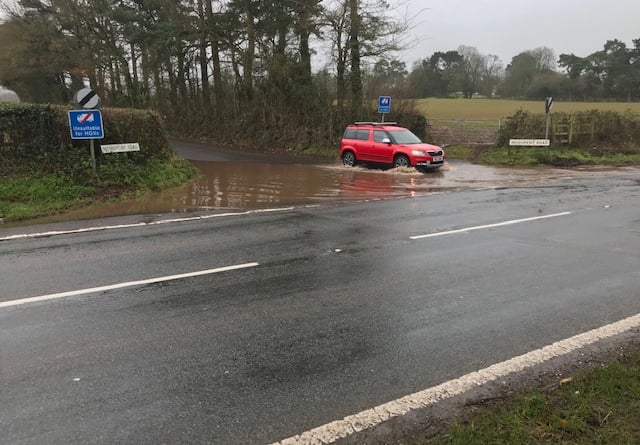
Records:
x=349, y=133
x=362, y=135
x=354, y=133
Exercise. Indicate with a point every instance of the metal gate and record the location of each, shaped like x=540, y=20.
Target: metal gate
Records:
x=463, y=131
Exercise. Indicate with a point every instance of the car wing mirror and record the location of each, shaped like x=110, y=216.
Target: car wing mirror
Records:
x=386, y=141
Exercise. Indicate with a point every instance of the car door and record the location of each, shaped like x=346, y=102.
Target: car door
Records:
x=381, y=151
x=363, y=144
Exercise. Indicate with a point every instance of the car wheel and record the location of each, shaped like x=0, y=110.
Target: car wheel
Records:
x=349, y=159
x=401, y=161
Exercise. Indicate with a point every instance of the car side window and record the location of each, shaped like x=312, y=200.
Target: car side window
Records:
x=349, y=133
x=379, y=135
x=362, y=135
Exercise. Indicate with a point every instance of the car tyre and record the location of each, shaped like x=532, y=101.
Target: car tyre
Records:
x=401, y=161
x=349, y=159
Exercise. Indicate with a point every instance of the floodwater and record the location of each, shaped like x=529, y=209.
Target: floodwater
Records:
x=229, y=184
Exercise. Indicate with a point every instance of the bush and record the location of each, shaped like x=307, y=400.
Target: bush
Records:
x=404, y=113
x=522, y=125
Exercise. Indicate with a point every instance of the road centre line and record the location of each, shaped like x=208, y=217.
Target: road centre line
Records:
x=92, y=290
x=339, y=429
x=489, y=226
x=140, y=224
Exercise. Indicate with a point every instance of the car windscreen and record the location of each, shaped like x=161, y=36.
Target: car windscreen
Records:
x=404, y=137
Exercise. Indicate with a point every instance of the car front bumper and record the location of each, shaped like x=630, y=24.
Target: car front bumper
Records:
x=430, y=164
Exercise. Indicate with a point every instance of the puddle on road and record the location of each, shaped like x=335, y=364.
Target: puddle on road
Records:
x=246, y=185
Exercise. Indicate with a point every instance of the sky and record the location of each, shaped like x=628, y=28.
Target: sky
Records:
x=506, y=28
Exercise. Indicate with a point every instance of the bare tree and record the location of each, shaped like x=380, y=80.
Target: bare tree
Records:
x=545, y=58
x=471, y=70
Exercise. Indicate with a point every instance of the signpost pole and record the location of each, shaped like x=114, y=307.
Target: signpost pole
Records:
x=547, y=107
x=93, y=157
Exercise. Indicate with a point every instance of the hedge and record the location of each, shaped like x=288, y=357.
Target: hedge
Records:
x=583, y=129
x=38, y=136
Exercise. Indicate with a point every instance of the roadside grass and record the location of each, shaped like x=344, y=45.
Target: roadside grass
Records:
x=601, y=406
x=25, y=197
x=558, y=157
x=464, y=152
x=29, y=195
x=438, y=108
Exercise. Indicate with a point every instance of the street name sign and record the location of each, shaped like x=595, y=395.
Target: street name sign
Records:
x=118, y=148
x=86, y=124
x=529, y=142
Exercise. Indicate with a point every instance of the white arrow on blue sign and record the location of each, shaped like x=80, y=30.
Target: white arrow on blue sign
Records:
x=86, y=124
x=384, y=104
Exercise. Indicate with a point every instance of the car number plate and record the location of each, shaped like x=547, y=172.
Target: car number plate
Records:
x=437, y=158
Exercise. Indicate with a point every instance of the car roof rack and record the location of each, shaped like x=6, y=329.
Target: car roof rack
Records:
x=375, y=123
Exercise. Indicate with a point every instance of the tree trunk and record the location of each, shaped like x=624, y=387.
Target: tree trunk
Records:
x=135, y=91
x=354, y=45
x=217, y=74
x=204, y=62
x=250, y=52
x=304, y=31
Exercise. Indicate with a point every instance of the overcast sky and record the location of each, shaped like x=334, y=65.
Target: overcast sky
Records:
x=505, y=28
x=508, y=27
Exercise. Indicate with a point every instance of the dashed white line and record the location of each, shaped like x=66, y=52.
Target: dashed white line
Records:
x=489, y=226
x=92, y=290
x=140, y=224
x=331, y=432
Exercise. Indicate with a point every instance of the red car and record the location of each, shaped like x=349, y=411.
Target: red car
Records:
x=387, y=143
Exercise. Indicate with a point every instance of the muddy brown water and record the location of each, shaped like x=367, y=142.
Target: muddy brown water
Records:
x=226, y=185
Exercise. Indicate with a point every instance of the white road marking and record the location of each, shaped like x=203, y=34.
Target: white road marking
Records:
x=123, y=285
x=141, y=224
x=331, y=432
x=489, y=226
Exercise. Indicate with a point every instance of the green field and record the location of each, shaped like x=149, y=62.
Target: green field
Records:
x=501, y=108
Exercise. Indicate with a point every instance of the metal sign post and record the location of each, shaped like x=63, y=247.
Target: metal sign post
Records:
x=548, y=104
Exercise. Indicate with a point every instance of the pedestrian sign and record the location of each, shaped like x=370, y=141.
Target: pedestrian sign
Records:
x=86, y=124
x=384, y=104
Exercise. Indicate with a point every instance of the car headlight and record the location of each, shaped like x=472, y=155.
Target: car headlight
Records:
x=418, y=153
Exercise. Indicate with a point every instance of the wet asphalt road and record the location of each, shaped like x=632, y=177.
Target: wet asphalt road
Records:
x=343, y=311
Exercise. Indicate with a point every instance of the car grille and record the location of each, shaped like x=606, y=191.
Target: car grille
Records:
x=435, y=153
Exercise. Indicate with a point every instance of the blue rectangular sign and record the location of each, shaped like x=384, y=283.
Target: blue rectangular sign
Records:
x=86, y=124
x=384, y=104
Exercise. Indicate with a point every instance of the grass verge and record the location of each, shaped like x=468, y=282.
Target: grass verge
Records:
x=536, y=156
x=601, y=406
x=559, y=157
x=29, y=195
